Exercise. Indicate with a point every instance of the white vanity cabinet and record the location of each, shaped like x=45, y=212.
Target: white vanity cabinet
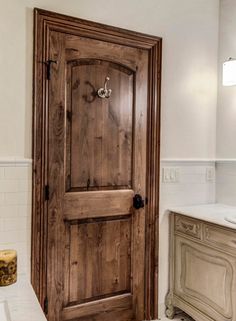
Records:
x=202, y=269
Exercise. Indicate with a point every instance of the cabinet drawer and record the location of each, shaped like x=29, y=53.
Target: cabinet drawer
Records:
x=188, y=226
x=220, y=237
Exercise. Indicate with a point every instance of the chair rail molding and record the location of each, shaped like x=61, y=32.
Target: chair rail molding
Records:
x=15, y=161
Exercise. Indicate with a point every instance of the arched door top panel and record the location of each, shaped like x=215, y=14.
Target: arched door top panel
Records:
x=100, y=132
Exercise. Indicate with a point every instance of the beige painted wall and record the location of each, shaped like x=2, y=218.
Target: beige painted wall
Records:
x=189, y=30
x=226, y=111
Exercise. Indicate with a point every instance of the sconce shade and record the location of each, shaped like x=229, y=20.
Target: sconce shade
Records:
x=229, y=72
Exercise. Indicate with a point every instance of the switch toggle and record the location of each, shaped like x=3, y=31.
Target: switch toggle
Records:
x=170, y=174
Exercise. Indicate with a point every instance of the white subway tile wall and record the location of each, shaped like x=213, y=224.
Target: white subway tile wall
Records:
x=193, y=187
x=15, y=211
x=226, y=182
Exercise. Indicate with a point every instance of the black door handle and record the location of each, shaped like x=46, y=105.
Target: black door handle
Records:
x=138, y=202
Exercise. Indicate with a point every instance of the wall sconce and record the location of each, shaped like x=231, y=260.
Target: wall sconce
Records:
x=229, y=72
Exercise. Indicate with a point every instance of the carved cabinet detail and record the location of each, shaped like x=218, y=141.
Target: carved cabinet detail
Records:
x=202, y=270
x=188, y=226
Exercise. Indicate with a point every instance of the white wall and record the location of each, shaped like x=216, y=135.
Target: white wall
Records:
x=226, y=183
x=226, y=111
x=189, y=29
x=189, y=82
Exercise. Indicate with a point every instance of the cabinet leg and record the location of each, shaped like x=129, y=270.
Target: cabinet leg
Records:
x=170, y=309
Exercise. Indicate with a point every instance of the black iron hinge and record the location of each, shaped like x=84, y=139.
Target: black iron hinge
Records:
x=69, y=115
x=46, y=192
x=48, y=66
x=45, y=305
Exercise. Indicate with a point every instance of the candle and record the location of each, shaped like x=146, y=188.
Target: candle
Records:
x=8, y=267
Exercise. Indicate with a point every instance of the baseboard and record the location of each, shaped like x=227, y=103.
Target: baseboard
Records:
x=161, y=310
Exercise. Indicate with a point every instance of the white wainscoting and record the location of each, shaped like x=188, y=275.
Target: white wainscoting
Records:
x=15, y=209
x=226, y=181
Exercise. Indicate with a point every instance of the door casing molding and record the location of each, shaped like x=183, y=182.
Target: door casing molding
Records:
x=45, y=21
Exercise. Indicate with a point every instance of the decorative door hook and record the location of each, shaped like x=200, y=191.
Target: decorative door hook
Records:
x=104, y=92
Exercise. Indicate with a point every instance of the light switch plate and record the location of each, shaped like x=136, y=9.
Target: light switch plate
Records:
x=210, y=174
x=170, y=174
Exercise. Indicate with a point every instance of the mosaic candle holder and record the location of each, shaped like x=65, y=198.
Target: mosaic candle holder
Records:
x=8, y=267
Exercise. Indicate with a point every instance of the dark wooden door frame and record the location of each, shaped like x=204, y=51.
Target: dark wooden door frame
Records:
x=45, y=21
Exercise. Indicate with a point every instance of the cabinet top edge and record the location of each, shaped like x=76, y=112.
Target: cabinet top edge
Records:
x=211, y=213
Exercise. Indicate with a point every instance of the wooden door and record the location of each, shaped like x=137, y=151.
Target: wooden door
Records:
x=96, y=161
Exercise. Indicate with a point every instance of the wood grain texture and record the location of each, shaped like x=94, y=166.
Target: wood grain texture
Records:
x=153, y=181
x=96, y=268
x=121, y=124
x=56, y=133
x=39, y=213
x=145, y=149
x=97, y=204
x=101, y=129
x=118, y=308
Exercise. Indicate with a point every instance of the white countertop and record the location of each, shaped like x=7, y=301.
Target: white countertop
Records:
x=213, y=213
x=21, y=300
